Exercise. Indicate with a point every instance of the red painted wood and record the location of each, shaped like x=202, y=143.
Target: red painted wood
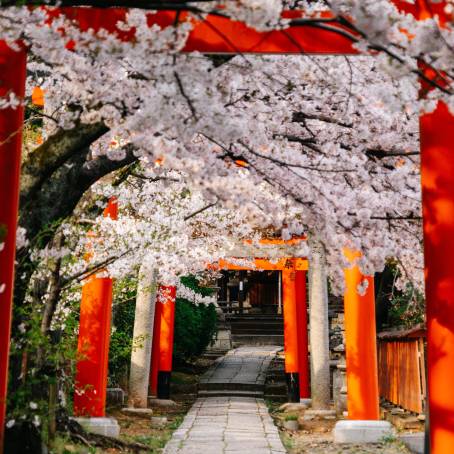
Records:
x=155, y=350
x=303, y=350
x=399, y=373
x=12, y=79
x=166, y=331
x=94, y=339
x=163, y=334
x=290, y=319
x=217, y=34
x=360, y=343
x=437, y=175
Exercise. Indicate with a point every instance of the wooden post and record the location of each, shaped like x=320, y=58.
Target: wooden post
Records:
x=94, y=338
x=361, y=344
x=12, y=80
x=290, y=331
x=303, y=351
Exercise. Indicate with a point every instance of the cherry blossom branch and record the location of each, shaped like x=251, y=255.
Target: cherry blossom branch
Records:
x=207, y=207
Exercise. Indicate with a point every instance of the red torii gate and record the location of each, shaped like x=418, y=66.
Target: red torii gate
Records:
x=293, y=271
x=218, y=34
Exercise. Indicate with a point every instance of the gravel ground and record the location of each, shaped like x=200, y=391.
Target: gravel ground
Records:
x=323, y=444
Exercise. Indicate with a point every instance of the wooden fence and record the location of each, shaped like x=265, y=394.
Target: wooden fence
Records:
x=401, y=368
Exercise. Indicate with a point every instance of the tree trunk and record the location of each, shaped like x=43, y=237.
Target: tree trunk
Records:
x=319, y=329
x=143, y=335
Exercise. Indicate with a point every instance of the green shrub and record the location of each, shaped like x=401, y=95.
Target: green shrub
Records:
x=195, y=327
x=123, y=312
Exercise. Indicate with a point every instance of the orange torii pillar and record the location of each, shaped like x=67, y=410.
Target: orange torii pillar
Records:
x=363, y=424
x=437, y=175
x=162, y=349
x=290, y=331
x=94, y=338
x=360, y=342
x=12, y=80
x=303, y=350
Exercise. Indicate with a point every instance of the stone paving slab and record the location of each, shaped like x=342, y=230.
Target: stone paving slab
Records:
x=241, y=366
x=226, y=425
x=233, y=423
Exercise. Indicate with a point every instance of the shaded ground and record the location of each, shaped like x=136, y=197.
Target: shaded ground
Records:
x=139, y=429
x=133, y=429
x=315, y=437
x=323, y=444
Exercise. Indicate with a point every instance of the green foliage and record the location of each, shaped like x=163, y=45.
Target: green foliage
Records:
x=407, y=308
x=38, y=360
x=193, y=283
x=195, y=327
x=291, y=417
x=121, y=340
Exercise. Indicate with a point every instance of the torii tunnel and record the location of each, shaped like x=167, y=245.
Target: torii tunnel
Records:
x=220, y=35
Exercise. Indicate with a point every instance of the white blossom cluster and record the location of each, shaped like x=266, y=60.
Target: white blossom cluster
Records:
x=324, y=145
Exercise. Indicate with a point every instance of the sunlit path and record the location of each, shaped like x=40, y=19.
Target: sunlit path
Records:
x=230, y=421
x=226, y=425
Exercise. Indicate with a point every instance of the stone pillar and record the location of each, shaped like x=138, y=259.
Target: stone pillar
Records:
x=319, y=329
x=12, y=79
x=143, y=337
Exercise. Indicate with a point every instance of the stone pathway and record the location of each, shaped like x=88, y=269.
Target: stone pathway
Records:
x=241, y=372
x=232, y=423
x=229, y=425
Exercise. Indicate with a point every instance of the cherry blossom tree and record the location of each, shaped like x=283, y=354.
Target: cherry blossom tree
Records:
x=204, y=150
x=289, y=132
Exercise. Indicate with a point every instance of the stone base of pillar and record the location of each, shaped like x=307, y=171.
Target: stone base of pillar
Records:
x=102, y=426
x=306, y=401
x=144, y=412
x=154, y=402
x=414, y=442
x=293, y=388
x=355, y=431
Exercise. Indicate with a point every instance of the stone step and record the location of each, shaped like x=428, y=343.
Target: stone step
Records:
x=257, y=339
x=279, y=388
x=276, y=397
x=214, y=353
x=231, y=393
x=218, y=386
x=254, y=316
x=252, y=321
x=257, y=330
x=278, y=331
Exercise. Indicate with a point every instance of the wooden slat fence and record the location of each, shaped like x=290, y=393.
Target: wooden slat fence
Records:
x=401, y=368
